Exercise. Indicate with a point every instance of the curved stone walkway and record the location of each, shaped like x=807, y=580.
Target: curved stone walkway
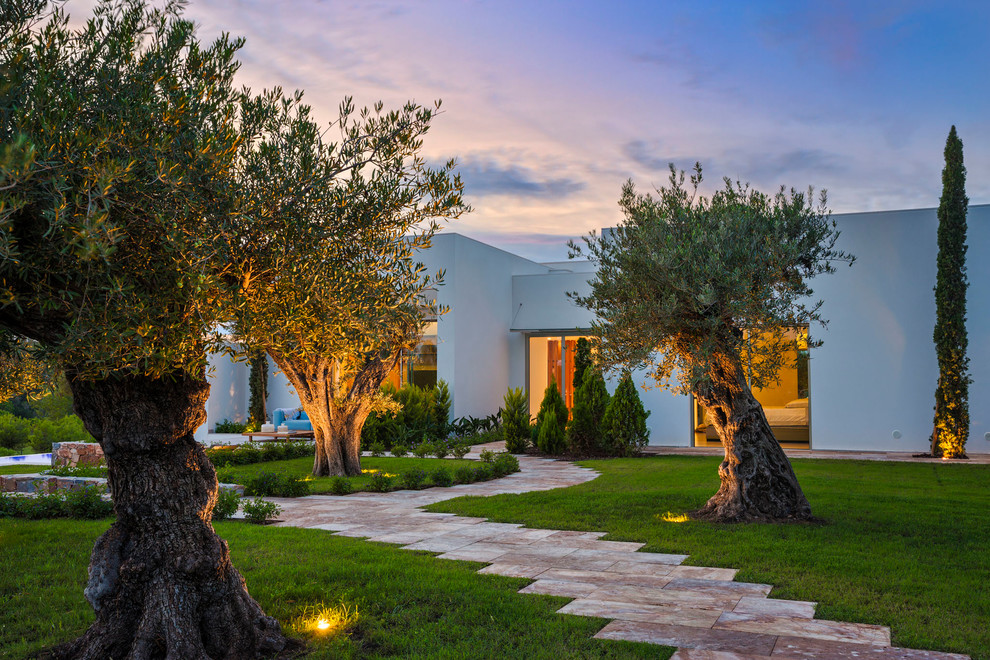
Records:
x=649, y=597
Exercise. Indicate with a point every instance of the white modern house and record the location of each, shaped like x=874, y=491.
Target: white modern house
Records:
x=869, y=387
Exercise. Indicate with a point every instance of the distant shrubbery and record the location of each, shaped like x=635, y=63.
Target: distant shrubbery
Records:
x=37, y=435
x=227, y=426
x=270, y=484
x=223, y=456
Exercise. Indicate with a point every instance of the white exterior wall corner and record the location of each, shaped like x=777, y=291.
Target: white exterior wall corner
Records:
x=876, y=372
x=475, y=348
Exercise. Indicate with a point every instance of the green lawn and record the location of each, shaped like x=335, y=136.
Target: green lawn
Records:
x=303, y=468
x=22, y=469
x=901, y=544
x=409, y=604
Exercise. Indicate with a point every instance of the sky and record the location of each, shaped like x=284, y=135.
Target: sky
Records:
x=549, y=107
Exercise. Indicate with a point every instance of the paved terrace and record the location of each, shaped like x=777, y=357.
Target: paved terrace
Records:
x=649, y=597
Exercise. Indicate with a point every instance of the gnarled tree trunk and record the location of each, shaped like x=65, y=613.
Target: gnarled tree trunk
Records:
x=758, y=483
x=160, y=579
x=337, y=405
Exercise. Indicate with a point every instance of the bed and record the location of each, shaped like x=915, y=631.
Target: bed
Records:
x=789, y=422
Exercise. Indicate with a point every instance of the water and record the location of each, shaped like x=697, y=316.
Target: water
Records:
x=27, y=459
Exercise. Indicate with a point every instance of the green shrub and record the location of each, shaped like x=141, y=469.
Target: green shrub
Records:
x=515, y=420
x=624, y=423
x=13, y=431
x=44, y=432
x=487, y=456
x=246, y=454
x=460, y=450
x=464, y=474
x=399, y=450
x=227, y=426
x=441, y=410
x=442, y=477
x=423, y=450
x=259, y=511
x=380, y=482
x=413, y=479
x=341, y=486
x=584, y=433
x=228, y=501
x=551, y=421
x=441, y=449
x=88, y=503
x=270, y=484
x=377, y=449
x=505, y=463
x=273, y=451
x=483, y=472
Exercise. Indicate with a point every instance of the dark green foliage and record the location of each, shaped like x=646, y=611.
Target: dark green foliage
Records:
x=582, y=361
x=441, y=477
x=415, y=422
x=584, y=432
x=399, y=450
x=515, y=420
x=551, y=422
x=380, y=482
x=258, y=511
x=377, y=449
x=82, y=503
x=258, y=381
x=624, y=422
x=441, y=449
x=483, y=472
x=271, y=484
x=341, y=486
x=505, y=463
x=441, y=410
x=460, y=450
x=423, y=449
x=468, y=426
x=464, y=474
x=951, y=341
x=38, y=434
x=228, y=501
x=223, y=456
x=227, y=426
x=412, y=479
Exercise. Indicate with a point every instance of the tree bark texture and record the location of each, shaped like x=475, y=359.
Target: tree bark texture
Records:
x=337, y=405
x=757, y=481
x=160, y=579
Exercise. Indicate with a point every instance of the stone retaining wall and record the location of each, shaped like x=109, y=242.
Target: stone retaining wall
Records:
x=74, y=454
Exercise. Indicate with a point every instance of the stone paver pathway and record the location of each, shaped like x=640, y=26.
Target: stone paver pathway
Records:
x=649, y=597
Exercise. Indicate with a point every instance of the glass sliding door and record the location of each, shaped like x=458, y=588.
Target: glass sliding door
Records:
x=551, y=359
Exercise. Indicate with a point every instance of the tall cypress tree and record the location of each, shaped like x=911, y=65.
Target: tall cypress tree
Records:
x=951, y=428
x=258, y=382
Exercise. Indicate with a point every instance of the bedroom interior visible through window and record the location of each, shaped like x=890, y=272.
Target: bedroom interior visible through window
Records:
x=786, y=403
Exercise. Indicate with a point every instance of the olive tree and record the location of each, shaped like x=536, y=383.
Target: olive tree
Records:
x=330, y=284
x=684, y=287
x=117, y=157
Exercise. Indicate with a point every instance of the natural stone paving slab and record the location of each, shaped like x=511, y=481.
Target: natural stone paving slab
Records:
x=692, y=637
x=802, y=647
x=797, y=609
x=670, y=614
x=835, y=631
x=651, y=597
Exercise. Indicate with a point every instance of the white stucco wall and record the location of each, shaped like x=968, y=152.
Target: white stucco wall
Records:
x=475, y=347
x=876, y=372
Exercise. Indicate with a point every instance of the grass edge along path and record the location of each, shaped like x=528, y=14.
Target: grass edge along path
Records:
x=902, y=544
x=408, y=604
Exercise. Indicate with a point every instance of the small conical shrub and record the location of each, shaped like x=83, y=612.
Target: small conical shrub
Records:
x=582, y=361
x=441, y=410
x=624, y=423
x=551, y=422
x=515, y=420
x=584, y=432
